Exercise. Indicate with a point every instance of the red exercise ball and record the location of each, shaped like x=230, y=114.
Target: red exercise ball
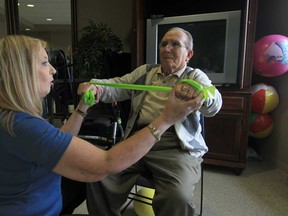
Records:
x=264, y=98
x=271, y=55
x=261, y=125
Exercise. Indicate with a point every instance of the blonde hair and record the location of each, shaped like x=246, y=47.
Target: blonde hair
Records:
x=19, y=79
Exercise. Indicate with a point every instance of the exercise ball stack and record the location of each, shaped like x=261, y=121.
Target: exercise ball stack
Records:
x=264, y=100
x=270, y=60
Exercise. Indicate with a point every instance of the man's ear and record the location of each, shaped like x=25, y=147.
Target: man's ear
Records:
x=190, y=55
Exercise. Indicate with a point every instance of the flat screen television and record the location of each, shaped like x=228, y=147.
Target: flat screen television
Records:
x=216, y=39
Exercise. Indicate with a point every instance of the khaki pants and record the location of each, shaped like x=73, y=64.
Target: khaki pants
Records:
x=175, y=174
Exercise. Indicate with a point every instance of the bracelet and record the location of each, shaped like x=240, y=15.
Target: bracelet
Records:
x=155, y=132
x=81, y=113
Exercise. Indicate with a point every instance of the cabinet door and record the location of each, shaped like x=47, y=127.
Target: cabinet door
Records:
x=223, y=136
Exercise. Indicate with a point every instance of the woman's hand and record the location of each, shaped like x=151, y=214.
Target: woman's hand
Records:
x=187, y=92
x=97, y=90
x=180, y=105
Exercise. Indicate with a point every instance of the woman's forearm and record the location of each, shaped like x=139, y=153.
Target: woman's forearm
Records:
x=135, y=147
x=83, y=162
x=74, y=122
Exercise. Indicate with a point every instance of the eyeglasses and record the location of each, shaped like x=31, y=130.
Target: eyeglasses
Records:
x=173, y=44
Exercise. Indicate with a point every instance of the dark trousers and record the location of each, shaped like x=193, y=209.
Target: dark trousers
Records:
x=73, y=194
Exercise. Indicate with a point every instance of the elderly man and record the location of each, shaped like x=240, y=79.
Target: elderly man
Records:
x=175, y=161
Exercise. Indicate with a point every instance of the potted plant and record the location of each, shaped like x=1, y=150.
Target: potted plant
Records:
x=97, y=43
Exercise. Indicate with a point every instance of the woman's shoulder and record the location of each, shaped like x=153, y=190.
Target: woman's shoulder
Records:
x=26, y=117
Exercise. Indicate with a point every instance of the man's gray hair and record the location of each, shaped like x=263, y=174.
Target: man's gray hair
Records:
x=189, y=41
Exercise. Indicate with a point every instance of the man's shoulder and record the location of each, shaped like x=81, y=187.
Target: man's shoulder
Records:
x=190, y=70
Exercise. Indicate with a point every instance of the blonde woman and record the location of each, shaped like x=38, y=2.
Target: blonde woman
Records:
x=34, y=154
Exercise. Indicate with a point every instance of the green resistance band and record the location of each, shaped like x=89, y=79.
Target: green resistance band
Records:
x=208, y=92
x=89, y=98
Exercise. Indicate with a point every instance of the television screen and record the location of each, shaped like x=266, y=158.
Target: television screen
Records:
x=215, y=38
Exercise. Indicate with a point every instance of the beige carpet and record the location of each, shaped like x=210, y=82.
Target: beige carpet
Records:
x=260, y=190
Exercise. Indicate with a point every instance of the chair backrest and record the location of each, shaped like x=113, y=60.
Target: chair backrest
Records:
x=102, y=129
x=202, y=125
x=202, y=173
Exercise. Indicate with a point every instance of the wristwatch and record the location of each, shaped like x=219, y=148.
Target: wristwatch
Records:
x=81, y=113
x=155, y=132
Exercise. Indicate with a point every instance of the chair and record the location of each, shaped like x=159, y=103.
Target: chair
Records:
x=63, y=93
x=145, y=180
x=102, y=129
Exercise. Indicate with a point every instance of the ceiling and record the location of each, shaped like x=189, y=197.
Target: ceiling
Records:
x=57, y=10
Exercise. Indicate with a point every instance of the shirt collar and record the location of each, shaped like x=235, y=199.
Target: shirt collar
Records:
x=177, y=73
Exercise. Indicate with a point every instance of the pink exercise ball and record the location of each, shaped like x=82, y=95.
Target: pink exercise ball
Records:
x=271, y=55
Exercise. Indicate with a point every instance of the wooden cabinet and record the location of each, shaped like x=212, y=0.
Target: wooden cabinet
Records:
x=227, y=132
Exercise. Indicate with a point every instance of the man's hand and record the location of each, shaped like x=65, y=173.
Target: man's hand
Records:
x=186, y=92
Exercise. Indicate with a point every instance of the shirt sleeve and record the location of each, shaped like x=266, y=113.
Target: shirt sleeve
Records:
x=211, y=106
x=37, y=141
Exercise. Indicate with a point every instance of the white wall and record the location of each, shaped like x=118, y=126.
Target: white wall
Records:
x=272, y=19
x=3, y=27
x=58, y=37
